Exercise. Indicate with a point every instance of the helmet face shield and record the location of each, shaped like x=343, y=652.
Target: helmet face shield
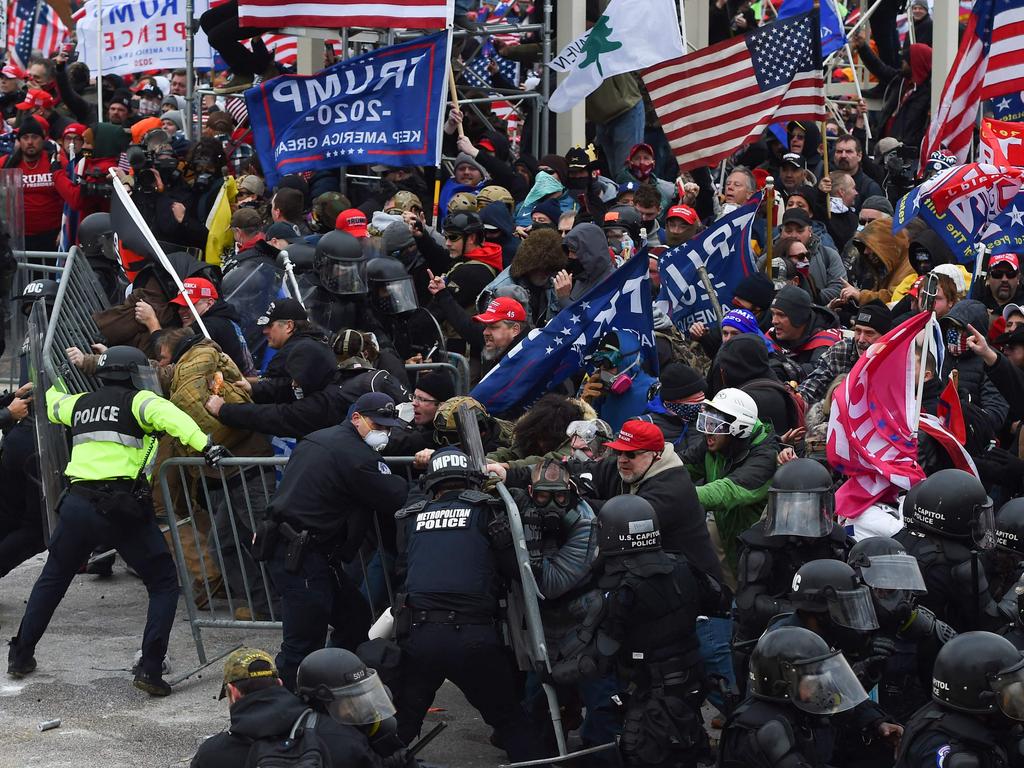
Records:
x=713, y=422
x=893, y=572
x=401, y=296
x=824, y=686
x=983, y=530
x=144, y=377
x=1009, y=689
x=344, y=277
x=853, y=609
x=799, y=513
x=362, y=703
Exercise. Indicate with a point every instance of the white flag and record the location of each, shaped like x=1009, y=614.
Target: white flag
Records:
x=630, y=35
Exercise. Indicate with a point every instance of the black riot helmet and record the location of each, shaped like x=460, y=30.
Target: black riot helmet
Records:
x=832, y=587
x=953, y=503
x=340, y=264
x=1010, y=526
x=38, y=289
x=893, y=576
x=341, y=683
x=301, y=255
x=629, y=525
x=463, y=224
x=795, y=665
x=96, y=237
x=391, y=287
x=127, y=366
x=624, y=217
x=800, y=501
x=980, y=673
x=450, y=466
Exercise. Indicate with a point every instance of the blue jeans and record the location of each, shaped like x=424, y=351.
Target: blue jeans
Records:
x=715, y=635
x=603, y=720
x=620, y=135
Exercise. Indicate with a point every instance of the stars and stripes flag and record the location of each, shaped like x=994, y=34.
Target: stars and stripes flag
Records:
x=872, y=427
x=715, y=100
x=335, y=14
x=33, y=26
x=989, y=64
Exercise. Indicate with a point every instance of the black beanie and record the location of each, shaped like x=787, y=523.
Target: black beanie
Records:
x=436, y=384
x=794, y=303
x=874, y=315
x=30, y=126
x=756, y=288
x=679, y=381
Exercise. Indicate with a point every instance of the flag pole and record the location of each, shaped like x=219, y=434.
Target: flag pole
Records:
x=824, y=169
x=925, y=349
x=860, y=94
x=99, y=65
x=453, y=94
x=769, y=215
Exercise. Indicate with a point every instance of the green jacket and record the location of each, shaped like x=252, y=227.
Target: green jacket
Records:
x=733, y=485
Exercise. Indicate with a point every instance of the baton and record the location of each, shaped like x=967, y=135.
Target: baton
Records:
x=431, y=735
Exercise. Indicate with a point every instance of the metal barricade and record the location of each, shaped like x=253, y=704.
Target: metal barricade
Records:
x=458, y=367
x=211, y=519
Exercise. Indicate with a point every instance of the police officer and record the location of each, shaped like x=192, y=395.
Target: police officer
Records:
x=98, y=242
x=950, y=525
x=334, y=483
x=447, y=618
x=262, y=709
x=896, y=583
x=336, y=294
x=113, y=439
x=798, y=527
x=338, y=684
x=648, y=634
x=973, y=720
x=797, y=683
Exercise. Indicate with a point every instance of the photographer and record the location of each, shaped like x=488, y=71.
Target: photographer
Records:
x=86, y=187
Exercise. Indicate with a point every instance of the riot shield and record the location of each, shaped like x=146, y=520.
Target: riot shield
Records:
x=51, y=440
x=12, y=208
x=250, y=289
x=418, y=333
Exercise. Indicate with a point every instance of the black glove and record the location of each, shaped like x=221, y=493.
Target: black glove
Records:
x=1006, y=460
x=399, y=759
x=214, y=453
x=870, y=669
x=499, y=532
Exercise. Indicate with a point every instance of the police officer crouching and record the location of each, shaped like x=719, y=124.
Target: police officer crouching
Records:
x=447, y=617
x=973, y=720
x=113, y=435
x=333, y=484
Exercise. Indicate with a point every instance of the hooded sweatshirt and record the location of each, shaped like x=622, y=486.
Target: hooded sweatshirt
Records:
x=589, y=243
x=973, y=384
x=497, y=215
x=878, y=279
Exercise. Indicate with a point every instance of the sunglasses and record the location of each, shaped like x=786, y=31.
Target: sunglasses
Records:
x=1003, y=274
x=452, y=237
x=865, y=222
x=630, y=454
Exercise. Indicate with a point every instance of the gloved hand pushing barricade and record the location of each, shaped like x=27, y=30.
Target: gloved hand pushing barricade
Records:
x=214, y=454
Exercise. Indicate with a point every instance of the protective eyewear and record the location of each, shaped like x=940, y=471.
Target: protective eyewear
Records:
x=424, y=400
x=453, y=237
x=710, y=422
x=558, y=498
x=1008, y=686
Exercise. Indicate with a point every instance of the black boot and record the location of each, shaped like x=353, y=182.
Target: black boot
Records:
x=154, y=685
x=19, y=662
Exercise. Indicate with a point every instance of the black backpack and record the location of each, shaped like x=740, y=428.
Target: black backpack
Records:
x=301, y=748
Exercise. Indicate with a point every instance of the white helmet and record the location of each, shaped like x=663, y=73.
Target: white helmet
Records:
x=731, y=412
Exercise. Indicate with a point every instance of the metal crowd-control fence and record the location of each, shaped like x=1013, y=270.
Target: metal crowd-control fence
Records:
x=211, y=518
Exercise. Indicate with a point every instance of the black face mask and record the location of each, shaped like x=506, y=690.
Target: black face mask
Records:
x=537, y=226
x=578, y=183
x=574, y=267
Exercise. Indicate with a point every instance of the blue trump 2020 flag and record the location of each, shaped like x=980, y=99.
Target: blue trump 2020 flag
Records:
x=382, y=107
x=832, y=35
x=725, y=251
x=549, y=355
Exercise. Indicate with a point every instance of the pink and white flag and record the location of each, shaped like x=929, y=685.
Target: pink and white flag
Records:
x=872, y=434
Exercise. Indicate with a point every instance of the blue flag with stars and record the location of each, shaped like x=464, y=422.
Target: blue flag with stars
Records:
x=833, y=36
x=1006, y=233
x=382, y=107
x=550, y=355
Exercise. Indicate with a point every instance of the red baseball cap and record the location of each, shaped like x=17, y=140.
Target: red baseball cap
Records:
x=75, y=129
x=1009, y=259
x=684, y=212
x=36, y=98
x=12, y=71
x=637, y=435
x=197, y=288
x=352, y=221
x=502, y=309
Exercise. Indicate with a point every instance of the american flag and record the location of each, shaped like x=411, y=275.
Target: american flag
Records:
x=477, y=75
x=335, y=14
x=28, y=32
x=988, y=64
x=713, y=101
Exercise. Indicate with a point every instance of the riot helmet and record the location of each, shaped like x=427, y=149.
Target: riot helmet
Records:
x=38, y=289
x=953, y=503
x=980, y=673
x=731, y=412
x=391, y=287
x=127, y=366
x=628, y=525
x=800, y=501
x=340, y=264
x=96, y=237
x=893, y=576
x=794, y=664
x=624, y=217
x=351, y=692
x=1010, y=526
x=451, y=465
x=462, y=202
x=832, y=587
x=302, y=257
x=589, y=438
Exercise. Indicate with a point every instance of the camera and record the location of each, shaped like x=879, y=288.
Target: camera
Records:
x=900, y=170
x=94, y=183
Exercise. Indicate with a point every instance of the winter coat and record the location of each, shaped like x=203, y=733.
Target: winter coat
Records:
x=973, y=383
x=907, y=101
x=826, y=270
x=591, y=248
x=498, y=215
x=879, y=280
x=306, y=359
x=820, y=334
x=473, y=272
x=117, y=325
x=733, y=484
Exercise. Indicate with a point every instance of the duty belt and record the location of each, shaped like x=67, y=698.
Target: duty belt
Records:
x=92, y=487
x=420, y=616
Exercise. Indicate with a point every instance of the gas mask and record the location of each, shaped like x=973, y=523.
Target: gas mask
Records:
x=685, y=411
x=549, y=509
x=617, y=383
x=641, y=170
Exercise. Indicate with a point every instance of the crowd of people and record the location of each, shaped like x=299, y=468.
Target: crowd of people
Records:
x=679, y=520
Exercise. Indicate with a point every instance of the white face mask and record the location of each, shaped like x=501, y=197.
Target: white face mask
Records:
x=376, y=438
